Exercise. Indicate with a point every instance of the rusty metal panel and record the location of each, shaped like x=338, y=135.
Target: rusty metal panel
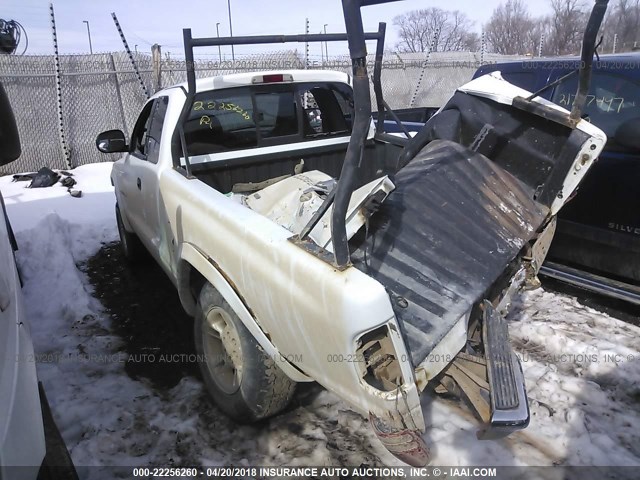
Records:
x=443, y=237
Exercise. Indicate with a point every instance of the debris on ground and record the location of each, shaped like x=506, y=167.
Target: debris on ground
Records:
x=45, y=177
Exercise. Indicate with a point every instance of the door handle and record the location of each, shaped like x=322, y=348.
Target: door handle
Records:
x=139, y=184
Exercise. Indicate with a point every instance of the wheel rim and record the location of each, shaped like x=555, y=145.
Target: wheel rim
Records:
x=223, y=353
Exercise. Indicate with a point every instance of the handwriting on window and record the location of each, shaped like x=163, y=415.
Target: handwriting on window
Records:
x=604, y=103
x=220, y=106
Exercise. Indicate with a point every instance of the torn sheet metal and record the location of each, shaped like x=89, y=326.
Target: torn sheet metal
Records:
x=293, y=201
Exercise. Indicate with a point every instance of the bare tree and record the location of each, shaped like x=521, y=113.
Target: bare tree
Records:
x=566, y=27
x=418, y=30
x=510, y=29
x=622, y=24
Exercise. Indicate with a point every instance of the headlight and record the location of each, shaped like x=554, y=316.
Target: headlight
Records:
x=378, y=360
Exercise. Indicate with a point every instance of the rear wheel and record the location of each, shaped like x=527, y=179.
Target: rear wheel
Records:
x=132, y=247
x=244, y=382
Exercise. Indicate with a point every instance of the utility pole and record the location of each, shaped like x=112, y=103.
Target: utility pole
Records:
x=156, y=61
x=219, y=49
x=233, y=55
x=89, y=35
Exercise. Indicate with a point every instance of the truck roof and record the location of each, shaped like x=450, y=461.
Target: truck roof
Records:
x=243, y=79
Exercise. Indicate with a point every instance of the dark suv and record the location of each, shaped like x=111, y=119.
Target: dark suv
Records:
x=597, y=242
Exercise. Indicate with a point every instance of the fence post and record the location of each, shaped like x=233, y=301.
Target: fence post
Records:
x=306, y=45
x=119, y=95
x=56, y=59
x=432, y=47
x=156, y=59
x=541, y=45
x=133, y=62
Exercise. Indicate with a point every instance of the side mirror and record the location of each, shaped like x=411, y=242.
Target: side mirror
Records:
x=112, y=141
x=315, y=119
x=9, y=138
x=628, y=134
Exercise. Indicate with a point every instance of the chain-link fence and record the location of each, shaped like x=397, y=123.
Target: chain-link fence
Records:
x=102, y=91
x=97, y=92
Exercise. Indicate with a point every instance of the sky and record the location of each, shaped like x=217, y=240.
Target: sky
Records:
x=161, y=21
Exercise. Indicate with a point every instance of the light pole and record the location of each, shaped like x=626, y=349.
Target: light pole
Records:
x=233, y=55
x=218, y=33
x=135, y=47
x=89, y=35
x=326, y=44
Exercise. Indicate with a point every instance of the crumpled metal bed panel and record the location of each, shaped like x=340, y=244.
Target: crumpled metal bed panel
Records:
x=444, y=236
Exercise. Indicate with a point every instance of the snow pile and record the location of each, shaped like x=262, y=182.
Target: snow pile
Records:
x=583, y=375
x=581, y=367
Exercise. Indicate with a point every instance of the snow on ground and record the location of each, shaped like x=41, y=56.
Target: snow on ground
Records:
x=582, y=369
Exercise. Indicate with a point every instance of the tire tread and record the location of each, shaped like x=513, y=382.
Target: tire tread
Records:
x=269, y=389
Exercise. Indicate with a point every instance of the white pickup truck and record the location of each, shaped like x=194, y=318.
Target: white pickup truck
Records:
x=311, y=246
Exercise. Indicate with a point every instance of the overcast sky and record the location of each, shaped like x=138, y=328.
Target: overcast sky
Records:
x=161, y=21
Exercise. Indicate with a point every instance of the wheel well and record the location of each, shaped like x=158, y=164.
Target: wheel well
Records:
x=196, y=282
x=190, y=282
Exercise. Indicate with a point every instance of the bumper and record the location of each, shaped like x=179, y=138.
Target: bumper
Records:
x=492, y=380
x=508, y=397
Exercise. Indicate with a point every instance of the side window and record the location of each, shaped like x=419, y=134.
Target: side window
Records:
x=612, y=100
x=138, y=138
x=154, y=133
x=327, y=110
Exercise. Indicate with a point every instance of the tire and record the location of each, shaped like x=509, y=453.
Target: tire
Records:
x=243, y=381
x=132, y=247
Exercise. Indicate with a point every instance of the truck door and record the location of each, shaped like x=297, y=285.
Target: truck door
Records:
x=142, y=173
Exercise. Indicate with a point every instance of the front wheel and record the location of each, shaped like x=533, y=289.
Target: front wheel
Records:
x=241, y=378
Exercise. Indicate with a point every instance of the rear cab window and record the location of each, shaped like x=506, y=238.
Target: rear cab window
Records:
x=251, y=117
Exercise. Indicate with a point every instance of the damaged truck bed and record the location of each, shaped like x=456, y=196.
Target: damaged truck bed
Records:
x=309, y=245
x=444, y=236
